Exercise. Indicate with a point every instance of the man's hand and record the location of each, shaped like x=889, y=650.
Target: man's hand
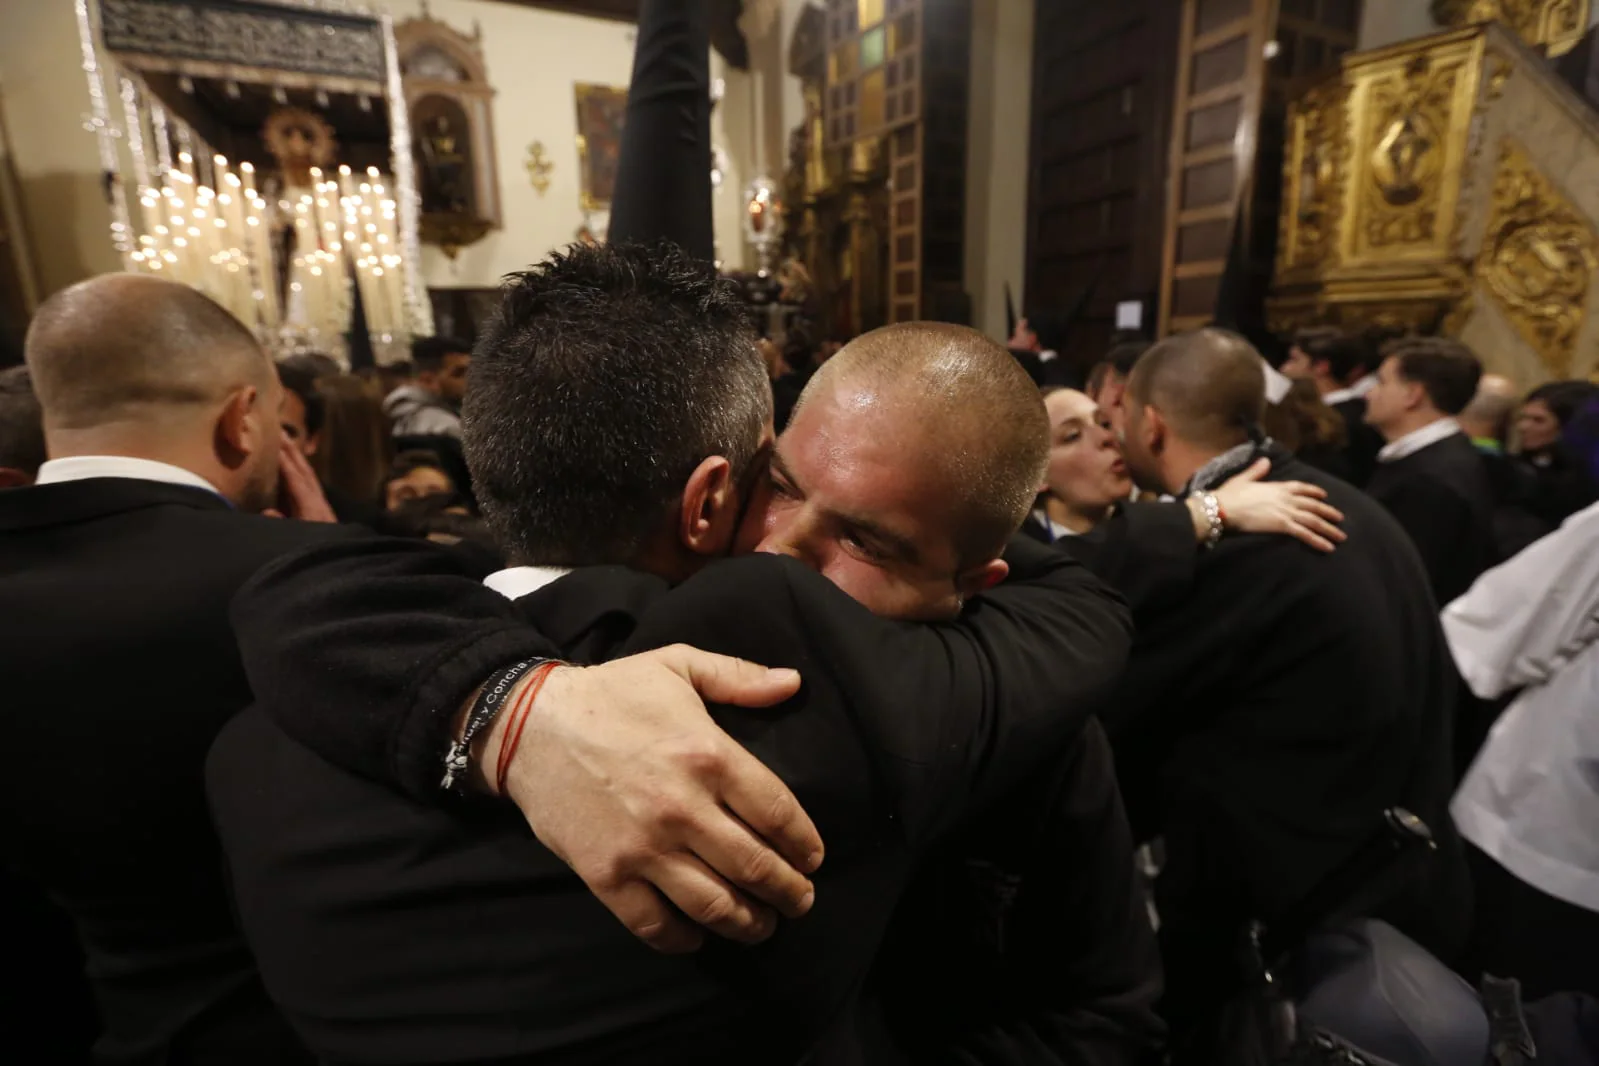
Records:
x=1294, y=508
x=622, y=774
x=299, y=492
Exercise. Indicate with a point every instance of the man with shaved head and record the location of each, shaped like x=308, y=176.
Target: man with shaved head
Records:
x=1266, y=723
x=161, y=419
x=911, y=459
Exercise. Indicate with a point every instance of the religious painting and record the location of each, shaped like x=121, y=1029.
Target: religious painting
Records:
x=443, y=143
x=601, y=111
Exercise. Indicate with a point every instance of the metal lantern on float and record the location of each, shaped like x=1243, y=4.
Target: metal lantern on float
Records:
x=763, y=216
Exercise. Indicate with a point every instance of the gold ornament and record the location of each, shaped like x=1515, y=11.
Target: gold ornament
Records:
x=1537, y=259
x=299, y=140
x=538, y=167
x=1559, y=24
x=1411, y=113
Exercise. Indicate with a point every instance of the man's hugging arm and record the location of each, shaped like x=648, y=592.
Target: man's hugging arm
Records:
x=950, y=715
x=367, y=653
x=363, y=651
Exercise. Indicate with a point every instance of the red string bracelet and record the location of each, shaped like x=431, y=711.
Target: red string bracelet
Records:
x=519, y=713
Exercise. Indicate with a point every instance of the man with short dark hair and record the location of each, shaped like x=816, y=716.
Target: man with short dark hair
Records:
x=161, y=414
x=1267, y=719
x=1108, y=380
x=1340, y=365
x=1428, y=474
x=21, y=429
x=303, y=406
x=901, y=730
x=430, y=405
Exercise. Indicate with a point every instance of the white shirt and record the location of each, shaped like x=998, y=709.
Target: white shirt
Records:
x=514, y=582
x=81, y=467
x=1531, y=799
x=1417, y=439
x=1056, y=530
x=1357, y=391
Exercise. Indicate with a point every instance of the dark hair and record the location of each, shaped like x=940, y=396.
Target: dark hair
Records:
x=353, y=458
x=1120, y=360
x=415, y=459
x=316, y=364
x=1563, y=398
x=428, y=353
x=1445, y=368
x=21, y=423
x=1346, y=354
x=606, y=376
x=299, y=379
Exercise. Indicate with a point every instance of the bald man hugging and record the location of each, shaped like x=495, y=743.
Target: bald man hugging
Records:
x=397, y=924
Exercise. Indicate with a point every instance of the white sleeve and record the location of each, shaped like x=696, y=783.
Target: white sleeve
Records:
x=1525, y=618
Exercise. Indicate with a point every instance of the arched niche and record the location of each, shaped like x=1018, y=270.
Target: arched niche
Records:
x=451, y=105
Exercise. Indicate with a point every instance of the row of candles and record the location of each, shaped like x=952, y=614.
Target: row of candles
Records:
x=223, y=240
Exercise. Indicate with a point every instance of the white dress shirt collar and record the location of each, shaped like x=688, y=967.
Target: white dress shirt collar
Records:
x=1417, y=439
x=514, y=582
x=82, y=467
x=1357, y=391
x=1056, y=530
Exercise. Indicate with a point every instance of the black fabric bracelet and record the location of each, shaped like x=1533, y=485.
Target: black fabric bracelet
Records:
x=490, y=700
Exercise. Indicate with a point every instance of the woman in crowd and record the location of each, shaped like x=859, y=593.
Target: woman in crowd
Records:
x=352, y=460
x=1563, y=485
x=1086, y=477
x=416, y=475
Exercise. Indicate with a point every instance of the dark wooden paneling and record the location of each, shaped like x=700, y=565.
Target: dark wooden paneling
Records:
x=1101, y=123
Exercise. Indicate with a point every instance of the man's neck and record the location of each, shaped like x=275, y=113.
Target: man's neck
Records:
x=1184, y=460
x=72, y=444
x=1409, y=423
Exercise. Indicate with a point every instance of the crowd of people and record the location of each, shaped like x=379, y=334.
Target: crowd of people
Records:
x=619, y=688
x=1089, y=682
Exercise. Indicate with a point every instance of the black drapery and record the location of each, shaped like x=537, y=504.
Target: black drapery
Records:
x=663, y=176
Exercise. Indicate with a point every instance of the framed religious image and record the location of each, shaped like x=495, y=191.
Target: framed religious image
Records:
x=601, y=110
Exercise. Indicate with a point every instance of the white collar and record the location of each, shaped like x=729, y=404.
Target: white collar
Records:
x=82, y=467
x=1056, y=530
x=514, y=582
x=1417, y=439
x=1357, y=391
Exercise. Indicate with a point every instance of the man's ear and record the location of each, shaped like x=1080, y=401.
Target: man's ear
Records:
x=981, y=578
x=708, y=518
x=1415, y=394
x=241, y=431
x=1154, y=427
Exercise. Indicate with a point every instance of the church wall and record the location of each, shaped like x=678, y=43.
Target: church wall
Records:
x=996, y=159
x=45, y=97
x=1386, y=22
x=534, y=57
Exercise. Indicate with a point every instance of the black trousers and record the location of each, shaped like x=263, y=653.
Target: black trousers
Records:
x=1547, y=944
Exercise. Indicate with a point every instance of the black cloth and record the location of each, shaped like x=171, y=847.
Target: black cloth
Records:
x=1516, y=523
x=1364, y=442
x=1026, y=938
x=1442, y=497
x=663, y=171
x=1547, y=944
x=899, y=731
x=1266, y=720
x=120, y=668
x=1561, y=485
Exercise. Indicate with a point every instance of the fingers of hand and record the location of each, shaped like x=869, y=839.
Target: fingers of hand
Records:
x=708, y=900
x=724, y=679
x=1309, y=536
x=1301, y=488
x=647, y=917
x=727, y=846
x=768, y=808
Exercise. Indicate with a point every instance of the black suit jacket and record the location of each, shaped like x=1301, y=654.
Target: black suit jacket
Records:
x=1364, y=442
x=1266, y=720
x=119, y=670
x=395, y=930
x=1443, y=498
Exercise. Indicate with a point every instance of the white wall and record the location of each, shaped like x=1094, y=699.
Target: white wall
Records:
x=534, y=57
x=45, y=96
x=996, y=158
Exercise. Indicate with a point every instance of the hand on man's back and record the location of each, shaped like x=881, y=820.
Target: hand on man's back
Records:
x=625, y=776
